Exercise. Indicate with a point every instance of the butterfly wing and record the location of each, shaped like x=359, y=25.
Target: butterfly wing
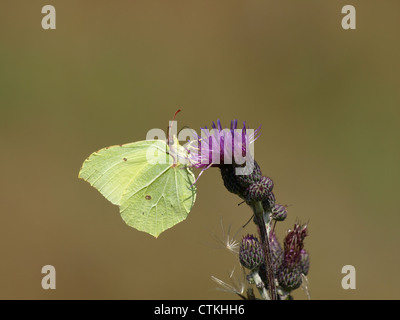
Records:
x=153, y=194
x=156, y=204
x=111, y=170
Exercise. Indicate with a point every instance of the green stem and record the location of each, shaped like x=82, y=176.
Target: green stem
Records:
x=260, y=285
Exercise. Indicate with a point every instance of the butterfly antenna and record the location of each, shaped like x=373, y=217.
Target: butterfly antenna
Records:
x=173, y=119
x=177, y=111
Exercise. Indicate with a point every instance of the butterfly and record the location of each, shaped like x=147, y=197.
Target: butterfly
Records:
x=153, y=189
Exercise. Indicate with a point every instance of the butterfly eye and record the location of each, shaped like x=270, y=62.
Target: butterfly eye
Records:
x=147, y=197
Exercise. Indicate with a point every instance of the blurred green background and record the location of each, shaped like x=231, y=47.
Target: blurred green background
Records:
x=327, y=99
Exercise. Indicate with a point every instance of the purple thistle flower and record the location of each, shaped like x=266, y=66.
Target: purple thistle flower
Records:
x=219, y=146
x=295, y=260
x=294, y=244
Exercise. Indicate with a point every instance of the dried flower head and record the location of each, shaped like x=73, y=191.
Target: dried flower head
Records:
x=293, y=244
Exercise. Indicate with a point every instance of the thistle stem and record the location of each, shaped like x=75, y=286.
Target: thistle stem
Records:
x=264, y=236
x=260, y=285
x=267, y=221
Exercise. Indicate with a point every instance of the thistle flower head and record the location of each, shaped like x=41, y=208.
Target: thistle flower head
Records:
x=294, y=244
x=218, y=146
x=295, y=262
x=289, y=279
x=268, y=183
x=258, y=191
x=251, y=254
x=279, y=212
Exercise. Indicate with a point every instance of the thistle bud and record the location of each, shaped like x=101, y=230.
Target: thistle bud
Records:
x=256, y=192
x=269, y=203
x=289, y=279
x=251, y=254
x=268, y=182
x=279, y=212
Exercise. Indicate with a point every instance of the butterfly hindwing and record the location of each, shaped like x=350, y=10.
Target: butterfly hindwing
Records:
x=160, y=203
